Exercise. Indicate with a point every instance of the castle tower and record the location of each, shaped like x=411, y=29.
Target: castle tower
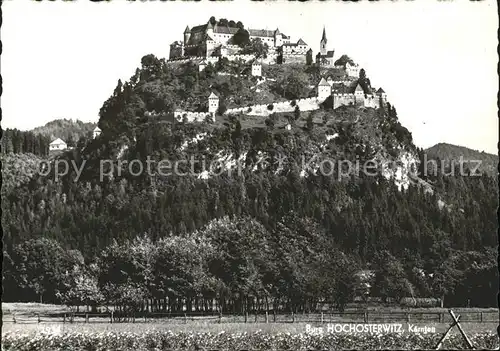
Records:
x=381, y=93
x=202, y=65
x=210, y=29
x=278, y=38
x=324, y=90
x=359, y=94
x=213, y=103
x=187, y=35
x=256, y=69
x=323, y=42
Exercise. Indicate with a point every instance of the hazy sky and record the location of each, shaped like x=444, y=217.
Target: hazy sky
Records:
x=436, y=60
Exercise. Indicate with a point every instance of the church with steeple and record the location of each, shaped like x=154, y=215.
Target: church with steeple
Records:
x=325, y=56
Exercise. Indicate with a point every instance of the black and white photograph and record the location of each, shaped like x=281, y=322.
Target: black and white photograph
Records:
x=249, y=175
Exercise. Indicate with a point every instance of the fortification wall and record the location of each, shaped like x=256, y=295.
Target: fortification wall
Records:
x=294, y=58
x=271, y=59
x=343, y=82
x=308, y=104
x=302, y=50
x=245, y=58
x=226, y=74
x=184, y=59
x=192, y=116
x=372, y=101
x=232, y=46
x=343, y=99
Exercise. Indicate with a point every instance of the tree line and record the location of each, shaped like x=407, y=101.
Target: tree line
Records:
x=37, y=141
x=237, y=266
x=18, y=142
x=423, y=248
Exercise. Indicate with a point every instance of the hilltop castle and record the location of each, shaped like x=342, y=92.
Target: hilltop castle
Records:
x=212, y=39
x=206, y=44
x=216, y=39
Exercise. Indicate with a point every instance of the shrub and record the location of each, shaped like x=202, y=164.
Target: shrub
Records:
x=293, y=103
x=270, y=107
x=270, y=122
x=208, y=119
x=296, y=112
x=249, y=109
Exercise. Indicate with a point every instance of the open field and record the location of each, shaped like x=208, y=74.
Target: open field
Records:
x=206, y=327
x=228, y=333
x=35, y=317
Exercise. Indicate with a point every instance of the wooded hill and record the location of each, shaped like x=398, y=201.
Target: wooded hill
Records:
x=37, y=140
x=452, y=153
x=268, y=233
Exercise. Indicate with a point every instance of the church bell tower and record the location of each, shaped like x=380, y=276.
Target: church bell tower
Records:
x=323, y=42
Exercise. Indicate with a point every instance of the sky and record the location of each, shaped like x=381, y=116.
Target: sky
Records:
x=436, y=60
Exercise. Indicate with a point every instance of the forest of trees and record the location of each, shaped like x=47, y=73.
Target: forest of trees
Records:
x=239, y=265
x=18, y=142
x=452, y=251
x=37, y=141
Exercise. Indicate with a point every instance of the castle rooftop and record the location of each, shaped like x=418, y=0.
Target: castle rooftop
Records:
x=225, y=29
x=329, y=53
x=323, y=82
x=263, y=33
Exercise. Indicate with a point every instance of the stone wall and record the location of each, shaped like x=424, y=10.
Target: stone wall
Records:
x=343, y=82
x=270, y=59
x=195, y=59
x=294, y=58
x=245, y=58
x=308, y=104
x=372, y=101
x=343, y=99
x=193, y=116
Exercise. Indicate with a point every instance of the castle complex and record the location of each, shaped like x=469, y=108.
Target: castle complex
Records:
x=206, y=44
x=218, y=40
